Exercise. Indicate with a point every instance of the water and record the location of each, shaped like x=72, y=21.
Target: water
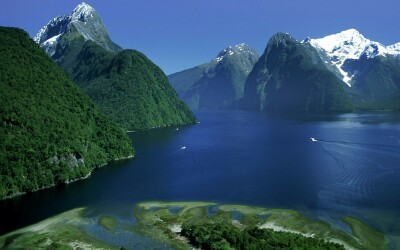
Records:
x=249, y=158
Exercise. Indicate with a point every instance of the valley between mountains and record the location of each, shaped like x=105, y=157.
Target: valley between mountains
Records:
x=317, y=114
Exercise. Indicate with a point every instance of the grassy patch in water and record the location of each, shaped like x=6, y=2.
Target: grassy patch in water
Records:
x=108, y=222
x=371, y=238
x=163, y=222
x=157, y=221
x=59, y=232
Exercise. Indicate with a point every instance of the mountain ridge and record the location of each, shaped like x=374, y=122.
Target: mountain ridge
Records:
x=219, y=83
x=125, y=84
x=85, y=20
x=290, y=77
x=351, y=45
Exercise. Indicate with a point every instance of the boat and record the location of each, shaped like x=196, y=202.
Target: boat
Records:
x=313, y=139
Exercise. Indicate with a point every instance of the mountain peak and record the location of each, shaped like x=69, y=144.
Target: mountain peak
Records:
x=83, y=20
x=279, y=38
x=350, y=44
x=239, y=49
x=82, y=12
x=83, y=7
x=351, y=32
x=350, y=40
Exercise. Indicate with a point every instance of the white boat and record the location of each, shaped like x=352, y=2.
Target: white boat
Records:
x=313, y=139
x=184, y=147
x=177, y=129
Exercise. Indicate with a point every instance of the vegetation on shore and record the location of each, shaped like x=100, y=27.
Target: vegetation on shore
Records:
x=60, y=232
x=184, y=225
x=50, y=131
x=228, y=236
x=214, y=226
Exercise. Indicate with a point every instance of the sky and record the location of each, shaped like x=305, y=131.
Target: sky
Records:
x=180, y=34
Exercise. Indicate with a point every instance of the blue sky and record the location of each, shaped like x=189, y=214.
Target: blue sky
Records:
x=179, y=34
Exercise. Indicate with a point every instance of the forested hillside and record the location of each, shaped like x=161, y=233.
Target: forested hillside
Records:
x=50, y=131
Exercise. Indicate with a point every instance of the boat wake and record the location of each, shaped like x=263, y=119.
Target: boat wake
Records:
x=355, y=143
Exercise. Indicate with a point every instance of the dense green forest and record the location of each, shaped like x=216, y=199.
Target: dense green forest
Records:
x=128, y=87
x=50, y=131
x=227, y=236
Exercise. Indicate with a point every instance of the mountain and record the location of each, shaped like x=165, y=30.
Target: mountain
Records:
x=370, y=69
x=84, y=20
x=182, y=81
x=129, y=88
x=290, y=77
x=125, y=84
x=218, y=84
x=50, y=131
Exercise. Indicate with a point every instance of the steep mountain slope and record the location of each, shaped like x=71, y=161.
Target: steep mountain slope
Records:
x=127, y=86
x=221, y=83
x=290, y=77
x=349, y=45
x=377, y=87
x=54, y=37
x=50, y=131
x=184, y=80
x=369, y=68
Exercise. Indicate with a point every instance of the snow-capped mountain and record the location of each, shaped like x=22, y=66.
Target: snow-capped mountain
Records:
x=83, y=20
x=291, y=77
x=244, y=55
x=124, y=84
x=240, y=49
x=50, y=34
x=218, y=84
x=311, y=75
x=350, y=45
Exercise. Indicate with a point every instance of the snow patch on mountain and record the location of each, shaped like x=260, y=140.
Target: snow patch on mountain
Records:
x=394, y=49
x=49, y=35
x=350, y=44
x=86, y=21
x=82, y=12
x=240, y=49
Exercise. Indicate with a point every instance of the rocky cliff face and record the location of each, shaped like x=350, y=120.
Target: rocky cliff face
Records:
x=83, y=21
x=290, y=77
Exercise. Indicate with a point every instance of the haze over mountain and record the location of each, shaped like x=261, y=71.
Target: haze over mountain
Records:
x=125, y=84
x=291, y=77
x=330, y=74
x=50, y=131
x=218, y=84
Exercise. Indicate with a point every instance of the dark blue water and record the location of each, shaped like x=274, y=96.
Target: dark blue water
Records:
x=248, y=158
